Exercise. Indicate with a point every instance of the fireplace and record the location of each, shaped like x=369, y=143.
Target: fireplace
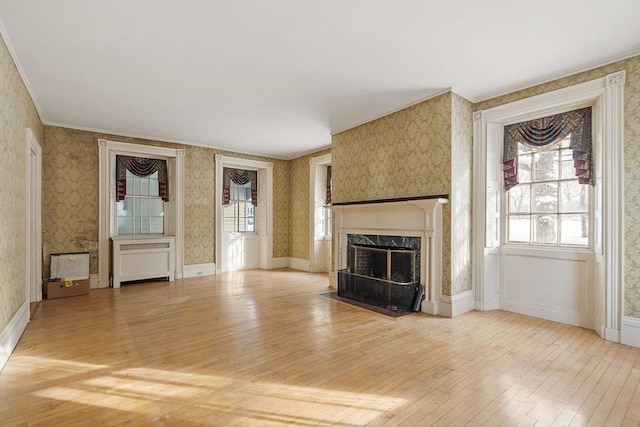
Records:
x=405, y=237
x=384, y=276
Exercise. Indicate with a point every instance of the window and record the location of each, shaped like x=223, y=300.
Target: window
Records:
x=142, y=210
x=548, y=206
x=239, y=214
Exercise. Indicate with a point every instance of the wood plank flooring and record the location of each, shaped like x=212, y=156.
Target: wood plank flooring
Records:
x=265, y=348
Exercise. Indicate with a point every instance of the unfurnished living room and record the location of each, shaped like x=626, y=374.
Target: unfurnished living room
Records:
x=320, y=213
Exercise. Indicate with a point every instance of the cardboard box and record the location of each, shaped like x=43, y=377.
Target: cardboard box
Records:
x=68, y=288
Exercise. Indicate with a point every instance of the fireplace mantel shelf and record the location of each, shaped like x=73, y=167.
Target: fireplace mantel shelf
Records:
x=397, y=199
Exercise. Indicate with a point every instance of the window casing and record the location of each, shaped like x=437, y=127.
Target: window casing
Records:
x=239, y=215
x=548, y=207
x=142, y=210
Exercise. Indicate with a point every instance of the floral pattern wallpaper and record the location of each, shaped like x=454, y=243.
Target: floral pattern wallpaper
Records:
x=632, y=160
x=70, y=195
x=407, y=153
x=17, y=113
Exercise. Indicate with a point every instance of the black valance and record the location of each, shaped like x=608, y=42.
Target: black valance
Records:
x=141, y=167
x=240, y=177
x=546, y=131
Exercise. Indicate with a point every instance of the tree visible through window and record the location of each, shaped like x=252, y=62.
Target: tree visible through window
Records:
x=548, y=206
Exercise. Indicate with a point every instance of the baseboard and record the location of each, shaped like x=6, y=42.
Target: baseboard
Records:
x=12, y=332
x=452, y=306
x=611, y=335
x=282, y=262
x=93, y=281
x=630, y=334
x=197, y=270
x=299, y=264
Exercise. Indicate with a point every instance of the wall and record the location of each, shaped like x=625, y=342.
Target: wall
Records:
x=70, y=195
x=407, y=153
x=17, y=113
x=299, y=205
x=461, y=191
x=632, y=161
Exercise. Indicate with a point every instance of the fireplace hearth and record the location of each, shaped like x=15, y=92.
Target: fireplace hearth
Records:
x=384, y=276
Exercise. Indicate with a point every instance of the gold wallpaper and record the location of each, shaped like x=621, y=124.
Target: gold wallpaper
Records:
x=17, y=113
x=299, y=205
x=70, y=195
x=632, y=160
x=404, y=154
x=461, y=189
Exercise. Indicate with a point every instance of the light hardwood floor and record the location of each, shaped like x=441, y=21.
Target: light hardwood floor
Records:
x=266, y=348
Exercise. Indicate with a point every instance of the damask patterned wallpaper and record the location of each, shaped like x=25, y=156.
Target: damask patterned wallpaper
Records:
x=17, y=113
x=299, y=205
x=461, y=189
x=404, y=154
x=70, y=195
x=632, y=160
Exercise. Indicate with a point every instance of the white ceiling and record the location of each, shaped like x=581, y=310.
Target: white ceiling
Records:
x=277, y=78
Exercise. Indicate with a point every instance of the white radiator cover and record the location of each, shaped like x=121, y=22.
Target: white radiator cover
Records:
x=138, y=257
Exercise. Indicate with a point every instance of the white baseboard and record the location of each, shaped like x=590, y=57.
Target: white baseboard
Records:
x=452, y=306
x=197, y=270
x=282, y=262
x=93, y=281
x=12, y=332
x=630, y=334
x=429, y=307
x=299, y=264
x=611, y=335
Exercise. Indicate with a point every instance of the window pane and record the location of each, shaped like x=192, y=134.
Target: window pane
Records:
x=519, y=228
x=524, y=168
x=154, y=188
x=566, y=141
x=520, y=199
x=156, y=225
x=136, y=186
x=144, y=225
x=156, y=207
x=574, y=229
x=137, y=206
x=568, y=170
x=125, y=226
x=125, y=207
x=144, y=186
x=545, y=229
x=545, y=197
x=144, y=207
x=545, y=165
x=573, y=197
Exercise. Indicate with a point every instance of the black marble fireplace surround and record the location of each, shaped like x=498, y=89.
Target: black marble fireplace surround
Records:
x=383, y=271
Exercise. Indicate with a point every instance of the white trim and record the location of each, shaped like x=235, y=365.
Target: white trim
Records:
x=609, y=93
x=34, y=224
x=452, y=306
x=630, y=334
x=106, y=220
x=199, y=270
x=93, y=281
x=281, y=262
x=314, y=162
x=299, y=264
x=11, y=333
x=265, y=207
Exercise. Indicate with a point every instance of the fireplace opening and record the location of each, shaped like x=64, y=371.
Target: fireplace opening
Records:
x=383, y=276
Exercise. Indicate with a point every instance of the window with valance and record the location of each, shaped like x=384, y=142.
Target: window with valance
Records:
x=547, y=131
x=141, y=191
x=143, y=168
x=239, y=177
x=546, y=164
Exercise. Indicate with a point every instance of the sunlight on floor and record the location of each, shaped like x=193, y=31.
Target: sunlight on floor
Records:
x=160, y=392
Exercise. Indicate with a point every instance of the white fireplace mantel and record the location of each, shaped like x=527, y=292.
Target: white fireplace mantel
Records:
x=411, y=218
